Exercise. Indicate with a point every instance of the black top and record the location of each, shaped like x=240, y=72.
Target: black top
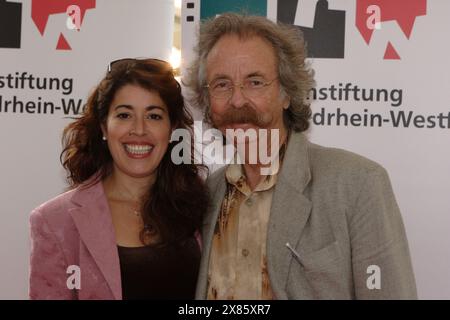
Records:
x=168, y=272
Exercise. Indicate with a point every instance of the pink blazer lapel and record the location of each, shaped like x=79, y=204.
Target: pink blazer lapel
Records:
x=92, y=218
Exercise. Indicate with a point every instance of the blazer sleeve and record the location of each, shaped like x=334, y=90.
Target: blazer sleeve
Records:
x=47, y=262
x=381, y=261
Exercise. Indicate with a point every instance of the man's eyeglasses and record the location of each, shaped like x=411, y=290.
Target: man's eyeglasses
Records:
x=252, y=87
x=130, y=61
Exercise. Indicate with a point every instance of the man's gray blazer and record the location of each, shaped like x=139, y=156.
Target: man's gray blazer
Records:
x=338, y=212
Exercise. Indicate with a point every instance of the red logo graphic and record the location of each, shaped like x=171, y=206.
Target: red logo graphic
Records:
x=402, y=11
x=42, y=9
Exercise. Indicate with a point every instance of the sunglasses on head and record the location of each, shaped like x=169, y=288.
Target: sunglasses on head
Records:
x=129, y=61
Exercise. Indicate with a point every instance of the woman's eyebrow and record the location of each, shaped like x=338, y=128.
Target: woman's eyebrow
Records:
x=130, y=107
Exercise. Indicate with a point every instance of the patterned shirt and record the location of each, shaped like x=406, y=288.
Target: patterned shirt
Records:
x=238, y=267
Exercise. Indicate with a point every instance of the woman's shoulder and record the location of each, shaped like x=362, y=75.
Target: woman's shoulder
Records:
x=59, y=206
x=56, y=202
x=52, y=212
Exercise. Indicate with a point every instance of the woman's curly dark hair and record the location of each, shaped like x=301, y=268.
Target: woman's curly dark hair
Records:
x=176, y=202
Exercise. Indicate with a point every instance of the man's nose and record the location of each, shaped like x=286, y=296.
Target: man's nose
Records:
x=238, y=99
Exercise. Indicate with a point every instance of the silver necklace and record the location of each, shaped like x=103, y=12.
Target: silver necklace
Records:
x=135, y=208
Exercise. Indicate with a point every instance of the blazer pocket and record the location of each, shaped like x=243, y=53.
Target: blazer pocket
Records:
x=321, y=275
x=324, y=259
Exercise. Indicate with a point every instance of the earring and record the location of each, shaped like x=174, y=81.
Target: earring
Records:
x=104, y=138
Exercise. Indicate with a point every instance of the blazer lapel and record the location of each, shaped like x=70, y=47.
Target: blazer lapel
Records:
x=289, y=212
x=92, y=218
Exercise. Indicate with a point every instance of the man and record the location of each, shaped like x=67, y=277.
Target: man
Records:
x=326, y=225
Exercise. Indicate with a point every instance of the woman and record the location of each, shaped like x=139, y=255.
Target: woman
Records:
x=127, y=228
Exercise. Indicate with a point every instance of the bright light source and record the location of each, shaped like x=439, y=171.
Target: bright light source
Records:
x=178, y=4
x=175, y=58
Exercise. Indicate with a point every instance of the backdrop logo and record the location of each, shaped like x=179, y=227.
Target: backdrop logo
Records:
x=389, y=10
x=75, y=9
x=325, y=35
x=41, y=10
x=10, y=24
x=326, y=38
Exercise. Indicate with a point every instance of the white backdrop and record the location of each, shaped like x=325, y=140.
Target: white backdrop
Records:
x=30, y=171
x=417, y=156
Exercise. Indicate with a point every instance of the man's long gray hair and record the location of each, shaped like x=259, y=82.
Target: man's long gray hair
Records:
x=295, y=75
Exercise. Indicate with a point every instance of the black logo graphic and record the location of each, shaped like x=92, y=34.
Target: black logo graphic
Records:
x=10, y=24
x=326, y=39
